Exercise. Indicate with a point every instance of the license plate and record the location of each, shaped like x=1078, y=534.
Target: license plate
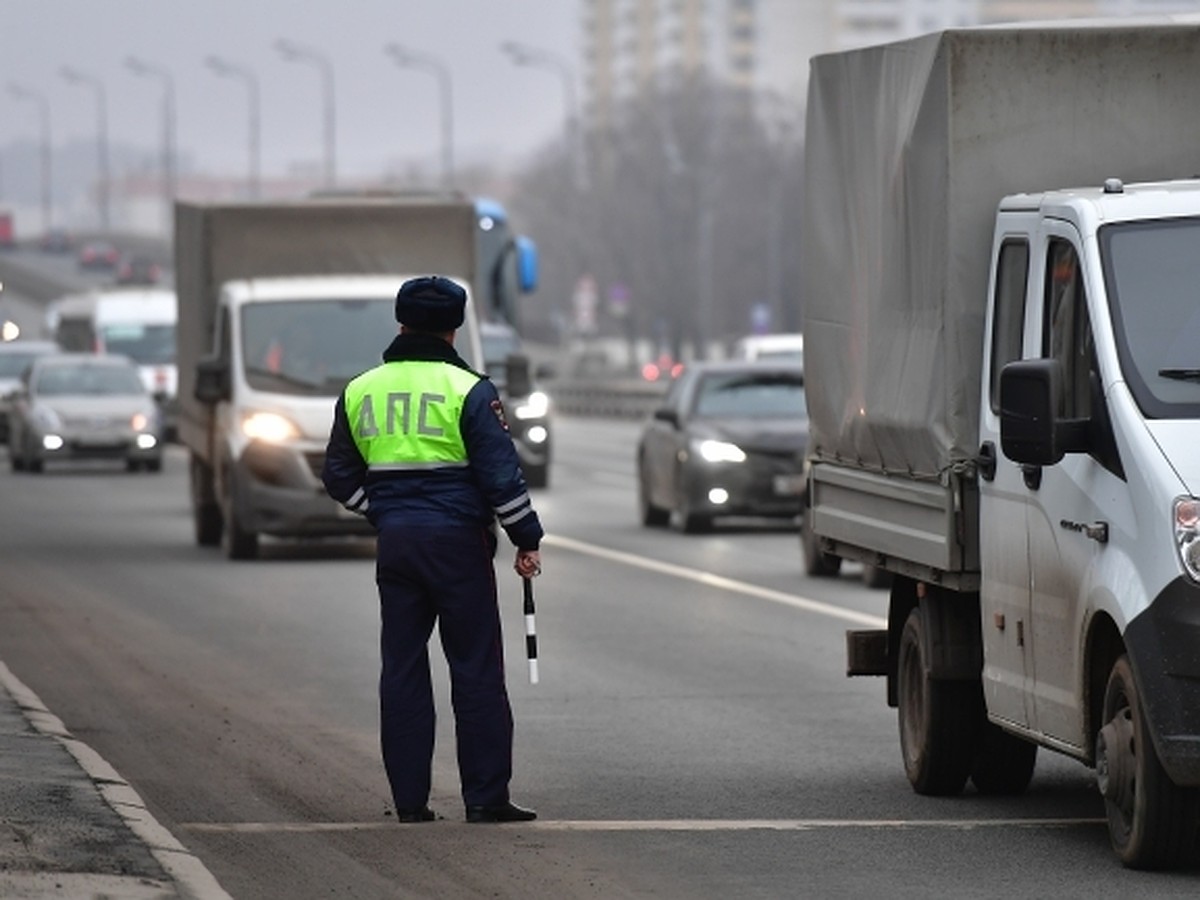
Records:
x=789, y=485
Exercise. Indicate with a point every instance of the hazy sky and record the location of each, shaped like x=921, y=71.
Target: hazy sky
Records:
x=383, y=112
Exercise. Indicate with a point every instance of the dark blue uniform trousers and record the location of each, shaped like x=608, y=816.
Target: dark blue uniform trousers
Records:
x=442, y=574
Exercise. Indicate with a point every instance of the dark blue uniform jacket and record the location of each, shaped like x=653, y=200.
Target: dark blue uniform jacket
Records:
x=492, y=487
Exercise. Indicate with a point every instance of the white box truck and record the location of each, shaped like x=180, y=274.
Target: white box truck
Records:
x=280, y=304
x=1000, y=267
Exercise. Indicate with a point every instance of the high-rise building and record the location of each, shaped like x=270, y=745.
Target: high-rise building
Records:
x=634, y=46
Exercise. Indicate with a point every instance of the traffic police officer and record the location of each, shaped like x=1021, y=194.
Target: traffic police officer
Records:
x=420, y=446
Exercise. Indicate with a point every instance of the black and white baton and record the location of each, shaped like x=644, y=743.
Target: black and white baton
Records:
x=530, y=632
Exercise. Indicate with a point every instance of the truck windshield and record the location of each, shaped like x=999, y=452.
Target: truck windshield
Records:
x=313, y=347
x=148, y=345
x=1152, y=276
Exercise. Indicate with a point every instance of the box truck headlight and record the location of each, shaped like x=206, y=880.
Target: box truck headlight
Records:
x=720, y=451
x=270, y=427
x=535, y=406
x=1187, y=535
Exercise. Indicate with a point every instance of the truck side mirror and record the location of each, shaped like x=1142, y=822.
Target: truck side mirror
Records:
x=527, y=264
x=518, y=379
x=212, y=380
x=1031, y=433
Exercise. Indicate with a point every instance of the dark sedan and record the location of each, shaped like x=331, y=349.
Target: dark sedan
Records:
x=728, y=440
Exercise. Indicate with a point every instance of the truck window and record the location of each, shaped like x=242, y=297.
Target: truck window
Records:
x=1008, y=318
x=1067, y=332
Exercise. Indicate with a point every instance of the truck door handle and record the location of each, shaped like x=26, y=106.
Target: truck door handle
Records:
x=987, y=461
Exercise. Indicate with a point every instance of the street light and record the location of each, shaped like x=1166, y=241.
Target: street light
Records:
x=524, y=55
x=23, y=93
x=103, y=196
x=410, y=59
x=296, y=53
x=142, y=68
x=229, y=70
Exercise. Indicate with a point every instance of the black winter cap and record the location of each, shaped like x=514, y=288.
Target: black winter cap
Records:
x=431, y=303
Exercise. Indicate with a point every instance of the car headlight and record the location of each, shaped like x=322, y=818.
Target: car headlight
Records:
x=1187, y=535
x=535, y=406
x=719, y=451
x=270, y=427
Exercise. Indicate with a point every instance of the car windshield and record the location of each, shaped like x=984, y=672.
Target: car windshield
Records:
x=751, y=395
x=87, y=380
x=13, y=364
x=1151, y=272
x=313, y=347
x=147, y=345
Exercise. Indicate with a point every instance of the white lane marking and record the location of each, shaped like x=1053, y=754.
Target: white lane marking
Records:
x=659, y=825
x=182, y=866
x=717, y=581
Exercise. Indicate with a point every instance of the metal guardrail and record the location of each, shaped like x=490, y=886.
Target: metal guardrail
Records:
x=624, y=398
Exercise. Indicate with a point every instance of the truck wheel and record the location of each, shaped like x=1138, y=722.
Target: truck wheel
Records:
x=652, y=516
x=938, y=718
x=1004, y=764
x=206, y=514
x=876, y=577
x=816, y=563
x=1151, y=821
x=236, y=541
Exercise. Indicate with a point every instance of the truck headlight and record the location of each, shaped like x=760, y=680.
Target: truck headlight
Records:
x=720, y=451
x=535, y=406
x=1187, y=535
x=270, y=427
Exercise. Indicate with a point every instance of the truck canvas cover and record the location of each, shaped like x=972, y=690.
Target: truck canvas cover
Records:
x=217, y=243
x=909, y=148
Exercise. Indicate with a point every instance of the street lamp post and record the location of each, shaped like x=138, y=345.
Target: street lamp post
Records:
x=410, y=59
x=142, y=68
x=241, y=73
x=103, y=188
x=524, y=55
x=296, y=53
x=23, y=93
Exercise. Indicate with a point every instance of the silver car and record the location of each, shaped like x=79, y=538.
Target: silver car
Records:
x=76, y=406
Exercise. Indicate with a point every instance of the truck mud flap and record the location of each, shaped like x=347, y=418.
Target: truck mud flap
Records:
x=867, y=652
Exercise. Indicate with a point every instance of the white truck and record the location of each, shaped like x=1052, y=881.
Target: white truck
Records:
x=280, y=304
x=1001, y=259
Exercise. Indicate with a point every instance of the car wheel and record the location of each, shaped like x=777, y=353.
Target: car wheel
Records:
x=817, y=563
x=153, y=465
x=652, y=516
x=1004, y=764
x=32, y=462
x=16, y=461
x=1151, y=821
x=938, y=718
x=132, y=465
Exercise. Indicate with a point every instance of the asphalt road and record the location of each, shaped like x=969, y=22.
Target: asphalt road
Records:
x=693, y=734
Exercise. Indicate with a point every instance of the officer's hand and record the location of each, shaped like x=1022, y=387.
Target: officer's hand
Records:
x=528, y=564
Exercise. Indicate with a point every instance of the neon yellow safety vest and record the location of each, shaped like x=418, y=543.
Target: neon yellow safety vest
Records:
x=404, y=416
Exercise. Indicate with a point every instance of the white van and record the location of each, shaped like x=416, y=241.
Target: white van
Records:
x=770, y=347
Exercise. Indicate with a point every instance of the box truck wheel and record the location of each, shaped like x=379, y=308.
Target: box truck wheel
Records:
x=206, y=514
x=1151, y=821
x=816, y=563
x=237, y=541
x=1004, y=763
x=939, y=718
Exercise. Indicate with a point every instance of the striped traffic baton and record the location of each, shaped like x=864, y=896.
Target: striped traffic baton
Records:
x=530, y=632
